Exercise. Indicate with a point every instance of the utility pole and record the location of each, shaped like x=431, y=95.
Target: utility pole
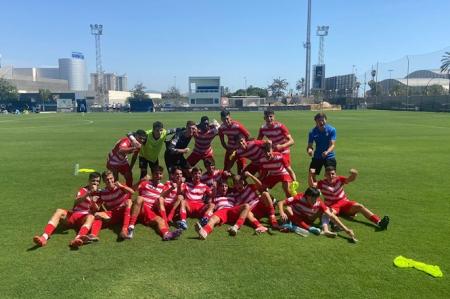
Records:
x=307, y=45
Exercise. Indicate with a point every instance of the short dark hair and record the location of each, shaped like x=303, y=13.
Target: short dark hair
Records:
x=312, y=191
x=269, y=112
x=266, y=147
x=222, y=182
x=196, y=169
x=209, y=161
x=238, y=137
x=158, y=125
x=94, y=175
x=330, y=168
x=157, y=168
x=224, y=113
x=320, y=115
x=140, y=133
x=175, y=168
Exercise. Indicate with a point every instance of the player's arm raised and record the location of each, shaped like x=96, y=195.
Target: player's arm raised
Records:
x=352, y=177
x=255, y=179
x=125, y=188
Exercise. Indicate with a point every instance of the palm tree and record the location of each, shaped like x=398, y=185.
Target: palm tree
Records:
x=446, y=66
x=300, y=85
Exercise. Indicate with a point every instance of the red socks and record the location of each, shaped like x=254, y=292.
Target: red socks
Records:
x=96, y=227
x=49, y=228
x=299, y=222
x=239, y=222
x=375, y=219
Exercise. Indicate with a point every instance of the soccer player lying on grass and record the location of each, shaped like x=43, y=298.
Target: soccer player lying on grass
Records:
x=277, y=133
x=275, y=169
x=203, y=137
x=117, y=159
x=332, y=188
x=145, y=207
x=226, y=211
x=171, y=198
x=260, y=205
x=230, y=128
x=304, y=208
x=247, y=149
x=117, y=197
x=79, y=216
x=197, y=205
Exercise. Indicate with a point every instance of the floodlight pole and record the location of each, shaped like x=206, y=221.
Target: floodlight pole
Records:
x=97, y=30
x=307, y=45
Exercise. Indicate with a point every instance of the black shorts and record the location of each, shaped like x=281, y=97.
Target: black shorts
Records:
x=143, y=163
x=176, y=160
x=317, y=164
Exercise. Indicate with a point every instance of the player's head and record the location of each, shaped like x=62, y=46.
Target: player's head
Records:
x=176, y=173
x=269, y=116
x=225, y=117
x=312, y=194
x=210, y=165
x=239, y=139
x=204, y=122
x=239, y=182
x=108, y=178
x=94, y=178
x=191, y=127
x=158, y=128
x=140, y=136
x=222, y=187
x=266, y=148
x=330, y=173
x=157, y=173
x=196, y=174
x=321, y=120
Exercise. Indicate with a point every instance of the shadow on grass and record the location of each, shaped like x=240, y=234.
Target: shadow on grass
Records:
x=352, y=219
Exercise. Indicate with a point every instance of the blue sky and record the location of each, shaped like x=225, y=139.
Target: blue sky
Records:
x=160, y=43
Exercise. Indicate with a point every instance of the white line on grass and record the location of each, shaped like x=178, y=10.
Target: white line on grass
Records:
x=69, y=125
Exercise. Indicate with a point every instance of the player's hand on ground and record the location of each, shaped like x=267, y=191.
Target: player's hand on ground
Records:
x=283, y=216
x=353, y=171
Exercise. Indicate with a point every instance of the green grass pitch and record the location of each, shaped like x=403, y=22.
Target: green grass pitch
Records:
x=401, y=157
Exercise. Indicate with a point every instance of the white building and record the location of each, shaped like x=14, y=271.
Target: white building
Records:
x=205, y=91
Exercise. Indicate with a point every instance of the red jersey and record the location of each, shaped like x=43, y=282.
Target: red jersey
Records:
x=248, y=195
x=277, y=166
x=195, y=193
x=334, y=192
x=253, y=151
x=113, y=198
x=150, y=192
x=302, y=208
x=224, y=202
x=114, y=158
x=85, y=206
x=203, y=141
x=232, y=130
x=277, y=134
x=171, y=198
x=209, y=179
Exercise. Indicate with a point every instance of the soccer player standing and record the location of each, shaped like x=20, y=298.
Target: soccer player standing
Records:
x=324, y=136
x=230, y=128
x=203, y=138
x=117, y=158
x=277, y=133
